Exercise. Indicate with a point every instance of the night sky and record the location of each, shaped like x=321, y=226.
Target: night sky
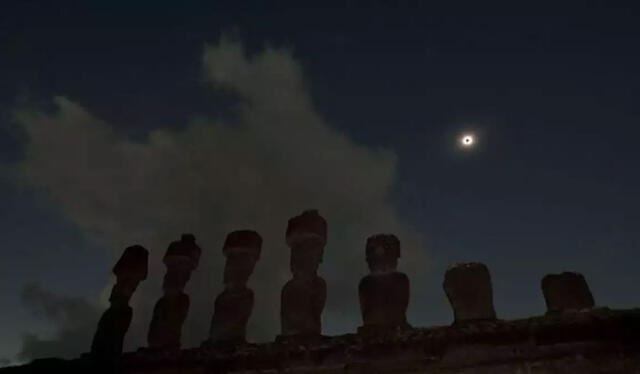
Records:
x=128, y=123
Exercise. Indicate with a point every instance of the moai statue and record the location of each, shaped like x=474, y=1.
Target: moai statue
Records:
x=234, y=305
x=566, y=292
x=130, y=270
x=384, y=293
x=171, y=310
x=468, y=288
x=303, y=297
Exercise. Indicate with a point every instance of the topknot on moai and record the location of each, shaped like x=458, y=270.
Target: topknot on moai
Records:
x=469, y=290
x=171, y=310
x=308, y=227
x=130, y=270
x=242, y=250
x=303, y=297
x=567, y=291
x=234, y=305
x=243, y=242
x=384, y=293
x=183, y=254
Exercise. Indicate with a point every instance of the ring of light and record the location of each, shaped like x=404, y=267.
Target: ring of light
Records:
x=467, y=140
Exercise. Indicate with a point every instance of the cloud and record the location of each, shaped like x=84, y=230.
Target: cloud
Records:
x=74, y=319
x=276, y=159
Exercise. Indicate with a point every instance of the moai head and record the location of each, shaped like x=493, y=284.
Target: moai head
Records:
x=181, y=258
x=383, y=251
x=242, y=250
x=306, y=236
x=566, y=291
x=469, y=290
x=131, y=269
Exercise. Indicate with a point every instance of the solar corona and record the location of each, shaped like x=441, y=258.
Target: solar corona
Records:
x=467, y=140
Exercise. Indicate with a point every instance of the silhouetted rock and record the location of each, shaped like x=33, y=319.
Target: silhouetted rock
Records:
x=384, y=293
x=130, y=270
x=303, y=297
x=171, y=310
x=566, y=291
x=599, y=341
x=468, y=288
x=234, y=305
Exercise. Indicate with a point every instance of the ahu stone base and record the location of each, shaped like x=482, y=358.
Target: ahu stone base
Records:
x=595, y=341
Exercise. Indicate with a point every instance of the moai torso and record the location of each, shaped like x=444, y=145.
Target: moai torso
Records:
x=303, y=297
x=232, y=312
x=384, y=299
x=384, y=294
x=234, y=305
x=566, y=292
x=130, y=270
x=470, y=293
x=109, y=337
x=303, y=301
x=169, y=315
x=171, y=310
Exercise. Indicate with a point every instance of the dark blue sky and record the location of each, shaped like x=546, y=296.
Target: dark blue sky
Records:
x=552, y=93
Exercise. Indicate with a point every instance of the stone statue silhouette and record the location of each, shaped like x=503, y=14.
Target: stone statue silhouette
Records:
x=171, y=310
x=130, y=270
x=303, y=297
x=234, y=305
x=384, y=293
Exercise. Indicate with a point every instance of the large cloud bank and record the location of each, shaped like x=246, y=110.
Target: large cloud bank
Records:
x=276, y=159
